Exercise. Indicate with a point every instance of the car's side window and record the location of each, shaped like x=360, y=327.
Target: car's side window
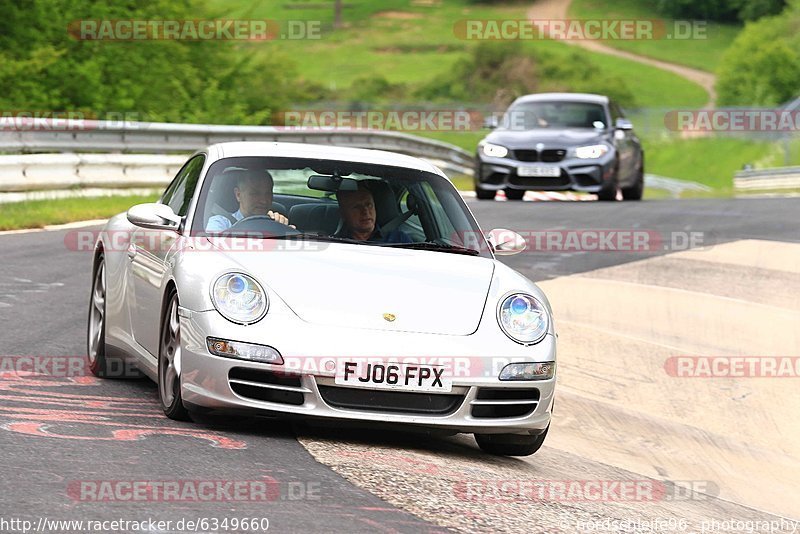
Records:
x=179, y=194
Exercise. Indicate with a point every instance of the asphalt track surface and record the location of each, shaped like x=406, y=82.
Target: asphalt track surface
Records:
x=59, y=432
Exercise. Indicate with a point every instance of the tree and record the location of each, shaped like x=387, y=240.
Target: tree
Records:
x=337, y=14
x=762, y=65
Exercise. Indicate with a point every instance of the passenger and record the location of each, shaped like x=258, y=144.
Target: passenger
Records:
x=357, y=209
x=254, y=194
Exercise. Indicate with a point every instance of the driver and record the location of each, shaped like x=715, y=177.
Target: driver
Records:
x=254, y=194
x=357, y=209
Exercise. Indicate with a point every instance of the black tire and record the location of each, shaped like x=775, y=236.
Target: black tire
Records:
x=515, y=194
x=636, y=191
x=96, y=324
x=511, y=444
x=608, y=192
x=169, y=346
x=484, y=194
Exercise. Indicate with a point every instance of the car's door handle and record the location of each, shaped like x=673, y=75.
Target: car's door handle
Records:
x=132, y=251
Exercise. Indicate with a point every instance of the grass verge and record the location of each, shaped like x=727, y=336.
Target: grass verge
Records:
x=412, y=43
x=41, y=213
x=703, y=54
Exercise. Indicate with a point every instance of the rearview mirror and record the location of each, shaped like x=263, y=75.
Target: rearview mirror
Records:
x=506, y=242
x=331, y=184
x=154, y=216
x=491, y=122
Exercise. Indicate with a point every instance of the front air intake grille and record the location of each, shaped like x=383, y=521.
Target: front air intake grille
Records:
x=267, y=386
x=390, y=401
x=499, y=403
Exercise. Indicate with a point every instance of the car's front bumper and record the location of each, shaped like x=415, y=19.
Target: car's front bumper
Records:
x=225, y=384
x=584, y=175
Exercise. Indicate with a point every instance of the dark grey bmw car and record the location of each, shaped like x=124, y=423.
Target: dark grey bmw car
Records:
x=561, y=142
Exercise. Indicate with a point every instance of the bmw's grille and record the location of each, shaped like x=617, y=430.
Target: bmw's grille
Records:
x=553, y=155
x=526, y=155
x=390, y=401
x=497, y=403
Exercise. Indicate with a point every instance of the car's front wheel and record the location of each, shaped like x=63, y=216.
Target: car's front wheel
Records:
x=511, y=444
x=636, y=191
x=96, y=331
x=515, y=194
x=484, y=194
x=169, y=356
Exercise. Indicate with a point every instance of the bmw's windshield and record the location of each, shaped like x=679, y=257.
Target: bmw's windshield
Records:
x=326, y=200
x=537, y=115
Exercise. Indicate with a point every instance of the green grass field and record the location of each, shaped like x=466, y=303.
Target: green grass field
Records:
x=40, y=213
x=710, y=161
x=409, y=42
x=699, y=53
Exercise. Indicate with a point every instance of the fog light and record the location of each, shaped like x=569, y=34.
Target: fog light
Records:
x=243, y=351
x=528, y=371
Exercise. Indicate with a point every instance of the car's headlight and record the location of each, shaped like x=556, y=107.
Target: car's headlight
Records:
x=591, y=151
x=494, y=151
x=239, y=298
x=523, y=318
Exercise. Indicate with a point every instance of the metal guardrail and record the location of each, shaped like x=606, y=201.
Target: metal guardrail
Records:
x=768, y=179
x=44, y=172
x=161, y=138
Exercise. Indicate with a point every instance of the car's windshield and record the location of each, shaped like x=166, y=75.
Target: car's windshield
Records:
x=536, y=115
x=298, y=198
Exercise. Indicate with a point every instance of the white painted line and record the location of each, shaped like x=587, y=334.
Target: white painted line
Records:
x=56, y=227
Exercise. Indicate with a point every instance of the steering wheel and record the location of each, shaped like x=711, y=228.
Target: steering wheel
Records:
x=263, y=224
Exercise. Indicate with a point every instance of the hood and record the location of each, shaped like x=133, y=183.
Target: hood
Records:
x=353, y=286
x=550, y=138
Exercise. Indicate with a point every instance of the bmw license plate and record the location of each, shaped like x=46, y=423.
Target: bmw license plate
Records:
x=390, y=375
x=539, y=171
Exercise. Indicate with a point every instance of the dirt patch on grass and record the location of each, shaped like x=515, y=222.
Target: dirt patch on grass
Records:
x=397, y=15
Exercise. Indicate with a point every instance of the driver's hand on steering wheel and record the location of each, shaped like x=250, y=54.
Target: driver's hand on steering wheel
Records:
x=277, y=217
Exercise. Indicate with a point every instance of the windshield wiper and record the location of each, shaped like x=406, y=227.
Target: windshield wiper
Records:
x=438, y=247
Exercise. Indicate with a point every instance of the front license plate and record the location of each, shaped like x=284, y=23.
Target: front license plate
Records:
x=399, y=376
x=539, y=171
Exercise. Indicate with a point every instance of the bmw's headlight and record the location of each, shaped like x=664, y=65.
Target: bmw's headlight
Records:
x=591, y=151
x=523, y=318
x=239, y=298
x=494, y=151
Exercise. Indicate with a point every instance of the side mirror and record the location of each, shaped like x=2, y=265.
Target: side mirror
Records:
x=624, y=124
x=506, y=242
x=154, y=216
x=491, y=122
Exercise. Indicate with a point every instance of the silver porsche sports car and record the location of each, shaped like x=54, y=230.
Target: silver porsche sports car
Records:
x=313, y=281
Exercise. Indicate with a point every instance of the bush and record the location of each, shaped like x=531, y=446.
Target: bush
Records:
x=720, y=10
x=762, y=66
x=500, y=72
x=43, y=68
